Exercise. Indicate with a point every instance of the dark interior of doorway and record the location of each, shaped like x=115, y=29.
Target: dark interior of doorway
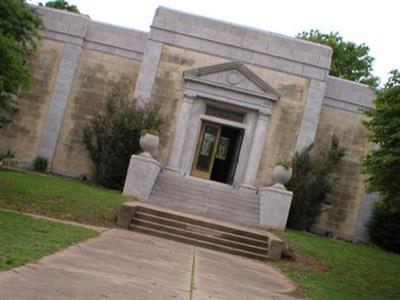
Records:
x=224, y=167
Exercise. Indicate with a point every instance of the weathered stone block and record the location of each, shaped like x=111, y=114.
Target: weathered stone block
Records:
x=125, y=214
x=142, y=174
x=274, y=207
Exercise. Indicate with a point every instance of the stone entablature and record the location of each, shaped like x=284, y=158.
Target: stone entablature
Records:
x=347, y=95
x=241, y=43
x=79, y=30
x=187, y=62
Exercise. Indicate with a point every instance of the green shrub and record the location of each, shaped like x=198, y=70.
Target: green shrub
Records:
x=113, y=136
x=384, y=227
x=40, y=164
x=311, y=183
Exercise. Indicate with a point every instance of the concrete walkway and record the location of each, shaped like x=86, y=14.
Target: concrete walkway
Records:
x=122, y=264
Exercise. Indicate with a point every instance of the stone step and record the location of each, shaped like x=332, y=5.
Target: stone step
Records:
x=171, y=187
x=201, y=234
x=207, y=223
x=196, y=242
x=186, y=185
x=168, y=180
x=228, y=204
x=207, y=210
x=178, y=205
x=228, y=217
x=214, y=195
x=200, y=229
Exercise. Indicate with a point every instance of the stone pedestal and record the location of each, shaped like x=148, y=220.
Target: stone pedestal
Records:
x=274, y=206
x=142, y=174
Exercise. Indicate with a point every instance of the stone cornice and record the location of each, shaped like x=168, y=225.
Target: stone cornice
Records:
x=268, y=92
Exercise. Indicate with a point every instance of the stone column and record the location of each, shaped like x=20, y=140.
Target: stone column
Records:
x=180, y=133
x=255, y=155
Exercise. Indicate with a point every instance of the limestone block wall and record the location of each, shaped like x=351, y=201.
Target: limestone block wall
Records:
x=285, y=122
x=169, y=86
x=286, y=115
x=78, y=62
x=340, y=115
x=179, y=41
x=97, y=75
x=22, y=135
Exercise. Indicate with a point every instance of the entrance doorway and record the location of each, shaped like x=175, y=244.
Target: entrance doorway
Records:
x=217, y=152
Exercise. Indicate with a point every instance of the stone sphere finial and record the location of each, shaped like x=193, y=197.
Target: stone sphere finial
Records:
x=281, y=175
x=149, y=143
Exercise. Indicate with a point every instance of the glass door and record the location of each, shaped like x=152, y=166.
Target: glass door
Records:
x=206, y=149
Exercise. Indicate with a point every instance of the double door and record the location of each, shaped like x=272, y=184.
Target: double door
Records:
x=217, y=152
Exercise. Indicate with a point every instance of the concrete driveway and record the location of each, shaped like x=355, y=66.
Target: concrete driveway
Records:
x=123, y=264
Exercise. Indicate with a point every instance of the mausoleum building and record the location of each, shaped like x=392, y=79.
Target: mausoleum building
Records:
x=238, y=100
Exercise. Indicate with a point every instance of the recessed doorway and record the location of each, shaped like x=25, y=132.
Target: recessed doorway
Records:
x=217, y=152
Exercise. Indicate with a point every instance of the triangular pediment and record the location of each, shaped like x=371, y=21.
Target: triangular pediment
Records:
x=233, y=76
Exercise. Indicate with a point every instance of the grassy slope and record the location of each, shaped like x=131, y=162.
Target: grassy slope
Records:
x=59, y=197
x=334, y=269
x=24, y=239
x=326, y=268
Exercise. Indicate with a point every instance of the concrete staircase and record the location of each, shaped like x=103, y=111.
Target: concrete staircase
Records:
x=200, y=231
x=208, y=199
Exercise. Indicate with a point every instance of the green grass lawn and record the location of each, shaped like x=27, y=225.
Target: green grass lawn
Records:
x=24, y=239
x=334, y=269
x=59, y=197
x=325, y=268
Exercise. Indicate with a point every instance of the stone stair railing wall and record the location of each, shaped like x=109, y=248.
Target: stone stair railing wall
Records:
x=148, y=182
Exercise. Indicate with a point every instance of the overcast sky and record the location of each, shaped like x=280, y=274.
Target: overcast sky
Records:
x=375, y=23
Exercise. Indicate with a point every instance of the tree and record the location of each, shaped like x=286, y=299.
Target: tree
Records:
x=311, y=183
x=382, y=165
x=19, y=26
x=113, y=136
x=349, y=60
x=63, y=5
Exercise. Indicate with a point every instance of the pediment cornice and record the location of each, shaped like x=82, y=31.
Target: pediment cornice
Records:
x=233, y=76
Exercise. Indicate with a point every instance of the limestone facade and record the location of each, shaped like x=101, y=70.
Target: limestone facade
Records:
x=279, y=86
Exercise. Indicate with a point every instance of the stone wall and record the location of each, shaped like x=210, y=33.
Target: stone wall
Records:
x=77, y=63
x=22, y=135
x=296, y=68
x=80, y=61
x=286, y=115
x=97, y=75
x=285, y=122
x=340, y=115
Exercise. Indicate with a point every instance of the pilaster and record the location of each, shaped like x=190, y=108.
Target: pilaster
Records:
x=58, y=102
x=257, y=147
x=174, y=162
x=148, y=71
x=312, y=109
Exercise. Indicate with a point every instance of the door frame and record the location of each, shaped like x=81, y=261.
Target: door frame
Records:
x=196, y=172
x=190, y=121
x=217, y=122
